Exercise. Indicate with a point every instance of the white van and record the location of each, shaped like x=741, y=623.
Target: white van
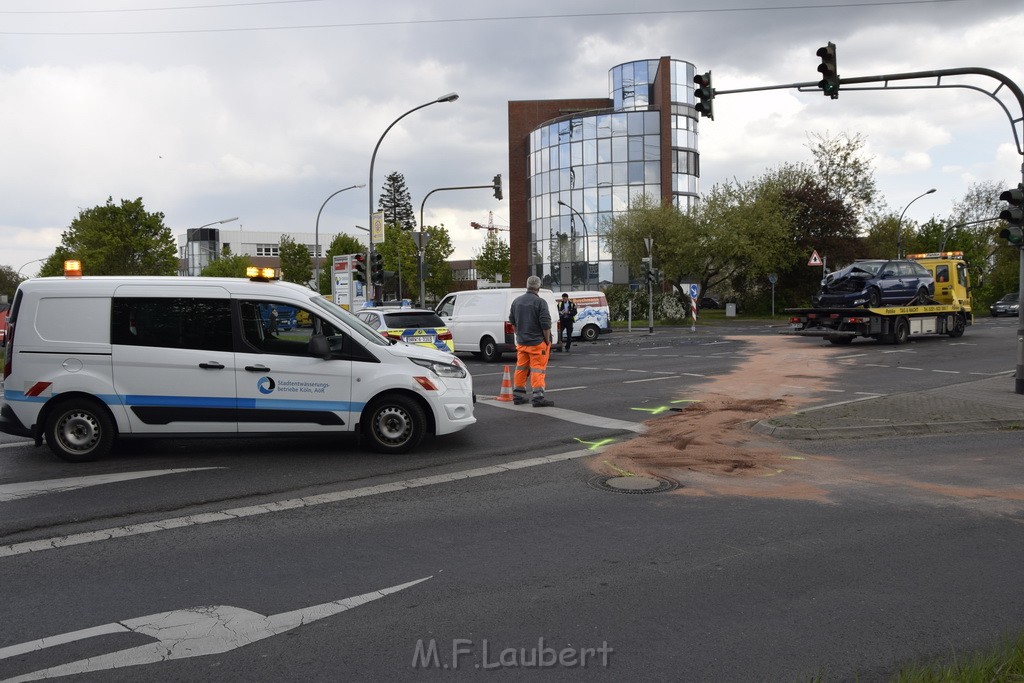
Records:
x=593, y=316
x=478, y=320
x=94, y=358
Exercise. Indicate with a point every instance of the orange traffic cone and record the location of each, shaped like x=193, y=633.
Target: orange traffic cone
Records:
x=506, y=387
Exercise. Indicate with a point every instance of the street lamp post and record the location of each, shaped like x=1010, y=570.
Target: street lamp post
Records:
x=316, y=236
x=30, y=263
x=214, y=254
x=899, y=223
x=450, y=97
x=586, y=244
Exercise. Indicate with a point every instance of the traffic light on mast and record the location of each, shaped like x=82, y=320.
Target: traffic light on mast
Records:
x=497, y=187
x=377, y=268
x=359, y=268
x=1014, y=215
x=704, y=94
x=829, y=82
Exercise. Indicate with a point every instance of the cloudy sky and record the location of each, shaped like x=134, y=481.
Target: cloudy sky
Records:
x=210, y=109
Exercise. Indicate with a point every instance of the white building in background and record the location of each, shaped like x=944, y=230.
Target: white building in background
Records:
x=199, y=246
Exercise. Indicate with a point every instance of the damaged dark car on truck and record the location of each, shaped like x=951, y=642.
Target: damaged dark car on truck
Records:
x=876, y=282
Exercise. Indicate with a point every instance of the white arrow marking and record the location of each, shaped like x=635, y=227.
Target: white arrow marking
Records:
x=27, y=489
x=186, y=633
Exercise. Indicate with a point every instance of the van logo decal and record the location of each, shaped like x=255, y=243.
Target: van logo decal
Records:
x=266, y=385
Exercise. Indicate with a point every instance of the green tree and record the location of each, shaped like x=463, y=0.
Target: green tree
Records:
x=9, y=281
x=435, y=258
x=399, y=252
x=395, y=203
x=116, y=239
x=227, y=265
x=341, y=245
x=845, y=171
x=492, y=259
x=296, y=264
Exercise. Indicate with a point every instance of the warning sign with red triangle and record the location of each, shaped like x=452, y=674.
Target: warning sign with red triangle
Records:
x=815, y=259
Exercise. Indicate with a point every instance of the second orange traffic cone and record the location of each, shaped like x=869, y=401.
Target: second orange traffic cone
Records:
x=506, y=387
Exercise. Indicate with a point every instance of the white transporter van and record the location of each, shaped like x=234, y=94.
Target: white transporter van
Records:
x=94, y=358
x=478, y=320
x=593, y=316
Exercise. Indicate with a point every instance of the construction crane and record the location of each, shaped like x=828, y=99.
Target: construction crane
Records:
x=490, y=227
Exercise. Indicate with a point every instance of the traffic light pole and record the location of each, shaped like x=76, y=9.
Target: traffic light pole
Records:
x=496, y=186
x=886, y=80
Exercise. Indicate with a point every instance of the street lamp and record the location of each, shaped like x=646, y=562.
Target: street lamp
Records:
x=450, y=97
x=586, y=243
x=213, y=253
x=30, y=263
x=316, y=236
x=899, y=223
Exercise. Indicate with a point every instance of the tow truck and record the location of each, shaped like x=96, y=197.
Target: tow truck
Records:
x=947, y=312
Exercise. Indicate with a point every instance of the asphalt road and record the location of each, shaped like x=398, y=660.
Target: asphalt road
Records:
x=913, y=550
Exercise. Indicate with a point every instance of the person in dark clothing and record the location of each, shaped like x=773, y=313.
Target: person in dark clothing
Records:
x=531, y=319
x=566, y=316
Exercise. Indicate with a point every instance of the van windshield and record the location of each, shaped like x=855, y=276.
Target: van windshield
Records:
x=355, y=324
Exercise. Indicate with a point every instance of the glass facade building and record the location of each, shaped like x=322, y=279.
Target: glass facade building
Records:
x=584, y=167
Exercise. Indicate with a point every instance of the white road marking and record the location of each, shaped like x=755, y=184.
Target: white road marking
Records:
x=186, y=633
x=856, y=355
x=27, y=442
x=868, y=393
x=649, y=379
x=948, y=372
x=565, y=389
x=692, y=374
x=27, y=489
x=573, y=416
x=655, y=348
x=904, y=367
x=875, y=365
x=838, y=403
x=900, y=351
x=310, y=501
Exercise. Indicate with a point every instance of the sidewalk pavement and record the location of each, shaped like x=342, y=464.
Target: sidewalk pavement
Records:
x=987, y=404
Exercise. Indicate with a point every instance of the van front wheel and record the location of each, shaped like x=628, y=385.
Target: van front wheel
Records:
x=79, y=430
x=489, y=350
x=395, y=424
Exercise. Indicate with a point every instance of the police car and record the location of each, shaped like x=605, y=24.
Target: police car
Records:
x=417, y=326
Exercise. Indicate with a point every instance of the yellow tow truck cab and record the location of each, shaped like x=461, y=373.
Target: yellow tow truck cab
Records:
x=947, y=311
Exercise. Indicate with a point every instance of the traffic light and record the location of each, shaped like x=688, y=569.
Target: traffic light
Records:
x=829, y=82
x=497, y=187
x=704, y=94
x=359, y=268
x=377, y=268
x=1014, y=215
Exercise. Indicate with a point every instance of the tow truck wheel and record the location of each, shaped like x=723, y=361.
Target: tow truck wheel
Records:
x=901, y=332
x=958, y=326
x=395, y=424
x=874, y=298
x=79, y=430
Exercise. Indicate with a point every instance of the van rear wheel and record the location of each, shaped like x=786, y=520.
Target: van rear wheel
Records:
x=395, y=424
x=590, y=333
x=79, y=430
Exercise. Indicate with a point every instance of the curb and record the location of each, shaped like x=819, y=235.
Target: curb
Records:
x=769, y=428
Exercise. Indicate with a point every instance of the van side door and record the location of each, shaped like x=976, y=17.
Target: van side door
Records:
x=173, y=359
x=282, y=387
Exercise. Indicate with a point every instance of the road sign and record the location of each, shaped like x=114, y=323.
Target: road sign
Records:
x=815, y=259
x=773, y=278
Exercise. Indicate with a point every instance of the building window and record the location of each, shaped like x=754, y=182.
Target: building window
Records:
x=268, y=250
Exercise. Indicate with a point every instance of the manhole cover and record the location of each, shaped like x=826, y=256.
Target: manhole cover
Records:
x=633, y=485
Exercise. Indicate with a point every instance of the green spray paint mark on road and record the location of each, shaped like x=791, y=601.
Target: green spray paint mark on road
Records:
x=594, y=445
